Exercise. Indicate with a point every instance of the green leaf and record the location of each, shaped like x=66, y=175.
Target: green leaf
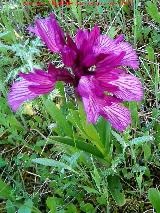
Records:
x=74, y=118
x=154, y=197
x=100, y=9
x=104, y=129
x=90, y=190
x=150, y=52
x=10, y=207
x=115, y=188
x=4, y=34
x=97, y=178
x=71, y=208
x=5, y=190
x=14, y=122
x=102, y=200
x=77, y=144
x=2, y=162
x=133, y=106
x=141, y=140
x=59, y=118
x=152, y=10
x=90, y=130
x=51, y=204
x=119, y=139
x=139, y=181
x=87, y=207
x=51, y=162
x=102, y=133
x=112, y=32
x=138, y=25
x=26, y=207
x=147, y=151
x=76, y=11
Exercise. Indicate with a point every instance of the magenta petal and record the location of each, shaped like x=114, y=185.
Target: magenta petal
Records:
x=89, y=60
x=131, y=58
x=71, y=44
x=119, y=38
x=68, y=56
x=129, y=88
x=32, y=85
x=52, y=70
x=50, y=33
x=104, y=79
x=89, y=86
x=92, y=102
x=81, y=36
x=110, y=61
x=108, y=75
x=41, y=89
x=60, y=74
x=85, y=39
x=96, y=103
x=117, y=115
x=86, y=89
x=33, y=30
x=94, y=34
x=106, y=45
x=91, y=109
x=20, y=93
x=39, y=77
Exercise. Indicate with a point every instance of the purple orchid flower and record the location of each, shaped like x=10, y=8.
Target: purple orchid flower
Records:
x=98, y=73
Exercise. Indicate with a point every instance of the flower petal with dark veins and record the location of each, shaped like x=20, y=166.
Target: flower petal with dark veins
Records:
x=118, y=116
x=107, y=106
x=68, y=56
x=129, y=88
x=50, y=33
x=106, y=45
x=31, y=86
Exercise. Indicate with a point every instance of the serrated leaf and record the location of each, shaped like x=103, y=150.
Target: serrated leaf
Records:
x=54, y=163
x=97, y=178
x=76, y=11
x=115, y=188
x=141, y=140
x=119, y=139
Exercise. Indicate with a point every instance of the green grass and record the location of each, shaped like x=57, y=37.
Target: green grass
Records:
x=50, y=160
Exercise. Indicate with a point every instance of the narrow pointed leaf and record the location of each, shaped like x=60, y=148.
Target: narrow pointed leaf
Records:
x=77, y=144
x=59, y=118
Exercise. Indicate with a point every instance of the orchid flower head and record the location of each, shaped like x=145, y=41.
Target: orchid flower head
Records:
x=98, y=72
